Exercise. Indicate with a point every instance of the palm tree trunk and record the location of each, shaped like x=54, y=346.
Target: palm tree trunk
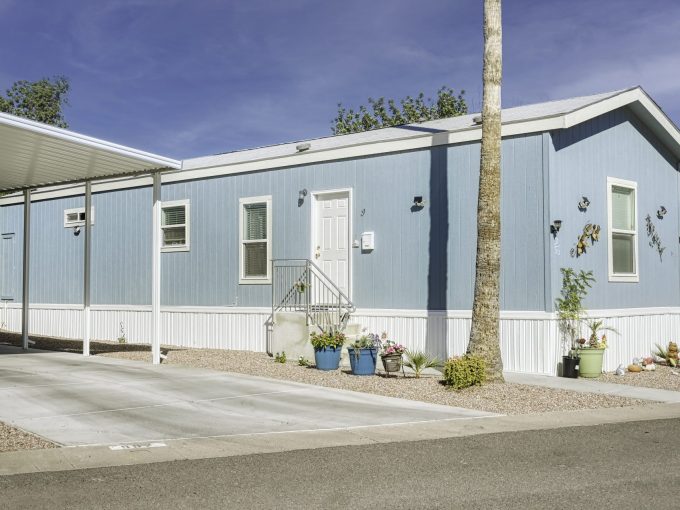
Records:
x=484, y=335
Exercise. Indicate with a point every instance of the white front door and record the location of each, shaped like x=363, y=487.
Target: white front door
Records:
x=331, y=237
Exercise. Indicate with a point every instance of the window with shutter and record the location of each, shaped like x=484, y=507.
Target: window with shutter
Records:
x=175, y=226
x=255, y=239
x=622, y=206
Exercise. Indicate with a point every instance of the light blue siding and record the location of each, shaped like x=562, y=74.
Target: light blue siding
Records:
x=581, y=159
x=424, y=259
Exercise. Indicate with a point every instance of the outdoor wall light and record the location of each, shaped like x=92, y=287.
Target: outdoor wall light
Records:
x=301, y=196
x=661, y=212
x=418, y=202
x=76, y=231
x=301, y=147
x=583, y=204
x=555, y=227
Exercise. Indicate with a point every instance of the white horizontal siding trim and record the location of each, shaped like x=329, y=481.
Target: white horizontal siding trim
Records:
x=530, y=340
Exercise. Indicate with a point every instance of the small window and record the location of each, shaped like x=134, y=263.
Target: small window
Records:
x=623, y=252
x=255, y=240
x=175, y=226
x=76, y=217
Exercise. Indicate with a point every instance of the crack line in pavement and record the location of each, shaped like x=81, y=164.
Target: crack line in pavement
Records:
x=329, y=429
x=150, y=406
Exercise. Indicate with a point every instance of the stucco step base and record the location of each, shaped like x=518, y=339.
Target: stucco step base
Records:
x=290, y=334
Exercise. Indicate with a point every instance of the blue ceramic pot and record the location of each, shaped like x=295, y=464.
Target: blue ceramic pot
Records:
x=362, y=360
x=327, y=358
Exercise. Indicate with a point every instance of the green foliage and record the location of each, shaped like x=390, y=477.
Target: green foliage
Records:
x=330, y=339
x=387, y=113
x=463, y=372
x=569, y=305
x=40, y=100
x=280, y=358
x=304, y=362
x=419, y=361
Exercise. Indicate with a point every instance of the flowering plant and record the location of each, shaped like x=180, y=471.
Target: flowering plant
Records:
x=390, y=347
x=369, y=341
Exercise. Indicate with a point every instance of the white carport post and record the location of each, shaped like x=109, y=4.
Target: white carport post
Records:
x=86, y=268
x=26, y=254
x=156, y=272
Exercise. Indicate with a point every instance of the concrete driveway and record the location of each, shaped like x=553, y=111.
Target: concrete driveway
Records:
x=78, y=401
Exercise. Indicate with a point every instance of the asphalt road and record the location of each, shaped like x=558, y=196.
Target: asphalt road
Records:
x=632, y=465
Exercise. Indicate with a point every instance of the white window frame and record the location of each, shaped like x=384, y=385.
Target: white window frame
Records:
x=635, y=275
x=187, y=226
x=77, y=223
x=243, y=280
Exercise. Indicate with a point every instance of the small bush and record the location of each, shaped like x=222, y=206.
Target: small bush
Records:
x=463, y=372
x=280, y=358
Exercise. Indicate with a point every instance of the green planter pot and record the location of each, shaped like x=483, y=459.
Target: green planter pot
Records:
x=591, y=362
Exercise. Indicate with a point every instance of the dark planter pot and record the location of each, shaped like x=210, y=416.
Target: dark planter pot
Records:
x=570, y=367
x=391, y=362
x=362, y=361
x=327, y=358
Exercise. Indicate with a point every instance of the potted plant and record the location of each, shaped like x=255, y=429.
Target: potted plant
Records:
x=391, y=354
x=570, y=314
x=327, y=348
x=592, y=351
x=363, y=354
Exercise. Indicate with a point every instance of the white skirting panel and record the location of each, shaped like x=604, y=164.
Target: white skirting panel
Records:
x=530, y=341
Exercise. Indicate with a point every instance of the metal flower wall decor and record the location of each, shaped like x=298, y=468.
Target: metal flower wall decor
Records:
x=654, y=239
x=589, y=236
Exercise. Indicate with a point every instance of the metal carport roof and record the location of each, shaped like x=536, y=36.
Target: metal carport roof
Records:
x=33, y=155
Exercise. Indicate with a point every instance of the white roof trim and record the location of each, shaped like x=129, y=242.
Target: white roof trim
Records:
x=252, y=160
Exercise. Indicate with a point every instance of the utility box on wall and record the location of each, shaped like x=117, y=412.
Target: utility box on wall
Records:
x=367, y=241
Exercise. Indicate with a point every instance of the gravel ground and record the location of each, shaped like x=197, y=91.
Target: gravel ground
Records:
x=12, y=439
x=500, y=398
x=664, y=378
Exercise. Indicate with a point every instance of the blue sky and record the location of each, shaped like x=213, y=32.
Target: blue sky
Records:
x=189, y=78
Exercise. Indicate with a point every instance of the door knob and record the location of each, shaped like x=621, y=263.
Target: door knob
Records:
x=317, y=254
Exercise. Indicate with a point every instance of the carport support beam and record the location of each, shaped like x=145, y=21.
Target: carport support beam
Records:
x=25, y=271
x=86, y=268
x=156, y=272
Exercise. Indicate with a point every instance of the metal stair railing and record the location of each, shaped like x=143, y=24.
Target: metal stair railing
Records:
x=299, y=285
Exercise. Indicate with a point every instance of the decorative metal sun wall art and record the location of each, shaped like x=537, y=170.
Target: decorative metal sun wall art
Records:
x=589, y=236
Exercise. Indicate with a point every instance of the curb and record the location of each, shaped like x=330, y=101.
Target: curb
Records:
x=85, y=457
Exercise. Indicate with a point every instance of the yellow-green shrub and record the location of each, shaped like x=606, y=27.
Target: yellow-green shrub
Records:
x=464, y=371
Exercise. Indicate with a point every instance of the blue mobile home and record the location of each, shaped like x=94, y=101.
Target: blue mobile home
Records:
x=388, y=219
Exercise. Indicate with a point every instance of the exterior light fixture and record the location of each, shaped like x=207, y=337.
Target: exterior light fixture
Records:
x=661, y=212
x=583, y=204
x=418, y=202
x=302, y=147
x=477, y=119
x=301, y=196
x=555, y=227
x=76, y=231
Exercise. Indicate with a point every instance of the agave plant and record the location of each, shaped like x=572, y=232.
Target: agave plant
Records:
x=419, y=361
x=662, y=352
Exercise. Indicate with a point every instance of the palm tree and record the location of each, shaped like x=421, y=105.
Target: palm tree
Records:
x=484, y=335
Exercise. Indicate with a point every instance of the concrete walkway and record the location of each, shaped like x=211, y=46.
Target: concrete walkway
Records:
x=78, y=401
x=594, y=386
